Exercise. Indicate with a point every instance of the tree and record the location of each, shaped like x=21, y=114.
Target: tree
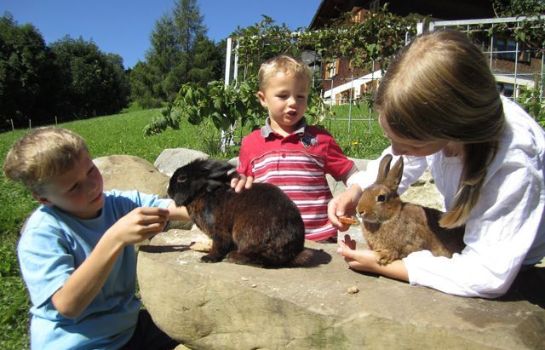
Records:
x=144, y=83
x=188, y=23
x=93, y=83
x=180, y=53
x=28, y=88
x=207, y=62
x=513, y=8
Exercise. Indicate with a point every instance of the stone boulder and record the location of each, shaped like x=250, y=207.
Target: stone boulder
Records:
x=424, y=192
x=124, y=172
x=171, y=159
x=323, y=306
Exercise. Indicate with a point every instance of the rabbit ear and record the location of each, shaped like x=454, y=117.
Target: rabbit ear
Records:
x=384, y=168
x=221, y=170
x=394, y=176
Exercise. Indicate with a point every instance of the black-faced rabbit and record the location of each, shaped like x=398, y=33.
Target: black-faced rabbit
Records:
x=258, y=226
x=393, y=228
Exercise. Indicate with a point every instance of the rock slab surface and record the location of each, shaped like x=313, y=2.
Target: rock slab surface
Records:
x=326, y=306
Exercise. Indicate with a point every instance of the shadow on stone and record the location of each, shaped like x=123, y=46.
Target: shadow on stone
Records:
x=529, y=286
x=164, y=248
x=315, y=258
x=318, y=257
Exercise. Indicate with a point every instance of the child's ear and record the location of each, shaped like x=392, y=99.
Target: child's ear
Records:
x=41, y=199
x=261, y=97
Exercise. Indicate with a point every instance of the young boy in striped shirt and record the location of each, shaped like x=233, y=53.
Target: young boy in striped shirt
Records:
x=289, y=153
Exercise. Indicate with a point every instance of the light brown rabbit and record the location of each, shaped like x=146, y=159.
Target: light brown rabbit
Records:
x=393, y=228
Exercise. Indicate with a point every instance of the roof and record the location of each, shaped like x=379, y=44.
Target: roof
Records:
x=444, y=9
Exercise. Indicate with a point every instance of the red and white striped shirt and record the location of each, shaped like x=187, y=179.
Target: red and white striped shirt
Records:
x=297, y=164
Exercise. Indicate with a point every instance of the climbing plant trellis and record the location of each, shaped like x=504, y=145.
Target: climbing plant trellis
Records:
x=367, y=46
x=514, y=46
x=516, y=58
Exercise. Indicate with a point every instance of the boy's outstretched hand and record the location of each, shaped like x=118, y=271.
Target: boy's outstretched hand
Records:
x=140, y=224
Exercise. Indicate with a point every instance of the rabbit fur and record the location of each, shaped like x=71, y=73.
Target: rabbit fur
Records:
x=258, y=226
x=393, y=228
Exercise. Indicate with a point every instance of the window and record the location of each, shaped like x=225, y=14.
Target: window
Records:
x=357, y=15
x=374, y=5
x=331, y=69
x=507, y=50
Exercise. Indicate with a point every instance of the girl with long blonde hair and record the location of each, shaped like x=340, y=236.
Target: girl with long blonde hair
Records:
x=439, y=106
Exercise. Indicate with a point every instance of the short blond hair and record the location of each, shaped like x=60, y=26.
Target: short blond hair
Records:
x=41, y=155
x=285, y=64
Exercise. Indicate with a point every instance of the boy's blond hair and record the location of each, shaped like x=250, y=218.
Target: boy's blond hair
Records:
x=284, y=64
x=41, y=155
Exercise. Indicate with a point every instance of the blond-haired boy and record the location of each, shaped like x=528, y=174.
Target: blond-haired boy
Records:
x=289, y=153
x=76, y=249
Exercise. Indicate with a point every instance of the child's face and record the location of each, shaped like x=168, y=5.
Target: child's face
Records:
x=409, y=147
x=285, y=97
x=78, y=191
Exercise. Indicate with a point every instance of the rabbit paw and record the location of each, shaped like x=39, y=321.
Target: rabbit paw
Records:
x=386, y=256
x=237, y=258
x=210, y=258
x=203, y=247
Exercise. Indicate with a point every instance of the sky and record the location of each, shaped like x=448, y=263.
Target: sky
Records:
x=124, y=26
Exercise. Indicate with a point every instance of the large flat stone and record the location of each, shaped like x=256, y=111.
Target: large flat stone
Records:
x=228, y=306
x=125, y=172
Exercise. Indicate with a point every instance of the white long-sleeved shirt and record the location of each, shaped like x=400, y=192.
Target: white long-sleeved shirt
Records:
x=506, y=228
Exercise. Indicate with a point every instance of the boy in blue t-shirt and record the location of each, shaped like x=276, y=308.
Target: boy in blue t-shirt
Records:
x=76, y=250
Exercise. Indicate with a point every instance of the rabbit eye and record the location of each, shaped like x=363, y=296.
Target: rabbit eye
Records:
x=381, y=198
x=181, y=179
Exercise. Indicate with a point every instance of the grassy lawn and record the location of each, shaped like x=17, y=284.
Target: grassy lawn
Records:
x=122, y=134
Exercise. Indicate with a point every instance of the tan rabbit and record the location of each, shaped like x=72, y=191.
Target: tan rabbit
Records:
x=393, y=228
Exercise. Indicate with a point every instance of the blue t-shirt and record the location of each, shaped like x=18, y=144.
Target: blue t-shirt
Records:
x=53, y=244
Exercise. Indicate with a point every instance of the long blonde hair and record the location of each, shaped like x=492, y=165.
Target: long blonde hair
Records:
x=41, y=155
x=440, y=87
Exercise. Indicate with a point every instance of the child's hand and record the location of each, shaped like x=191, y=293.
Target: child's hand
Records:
x=138, y=225
x=357, y=259
x=343, y=205
x=242, y=182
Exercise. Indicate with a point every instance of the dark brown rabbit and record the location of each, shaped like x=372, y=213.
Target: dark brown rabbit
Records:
x=393, y=228
x=258, y=226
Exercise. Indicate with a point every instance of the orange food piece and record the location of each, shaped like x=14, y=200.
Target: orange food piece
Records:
x=347, y=220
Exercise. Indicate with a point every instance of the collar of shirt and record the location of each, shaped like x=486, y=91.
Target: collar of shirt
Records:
x=267, y=130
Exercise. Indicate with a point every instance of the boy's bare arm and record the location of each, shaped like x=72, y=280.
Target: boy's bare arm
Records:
x=86, y=281
x=178, y=213
x=350, y=173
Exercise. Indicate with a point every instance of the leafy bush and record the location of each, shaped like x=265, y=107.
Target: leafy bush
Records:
x=533, y=103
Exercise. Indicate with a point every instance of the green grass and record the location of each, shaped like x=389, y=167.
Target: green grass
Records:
x=359, y=137
x=122, y=134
